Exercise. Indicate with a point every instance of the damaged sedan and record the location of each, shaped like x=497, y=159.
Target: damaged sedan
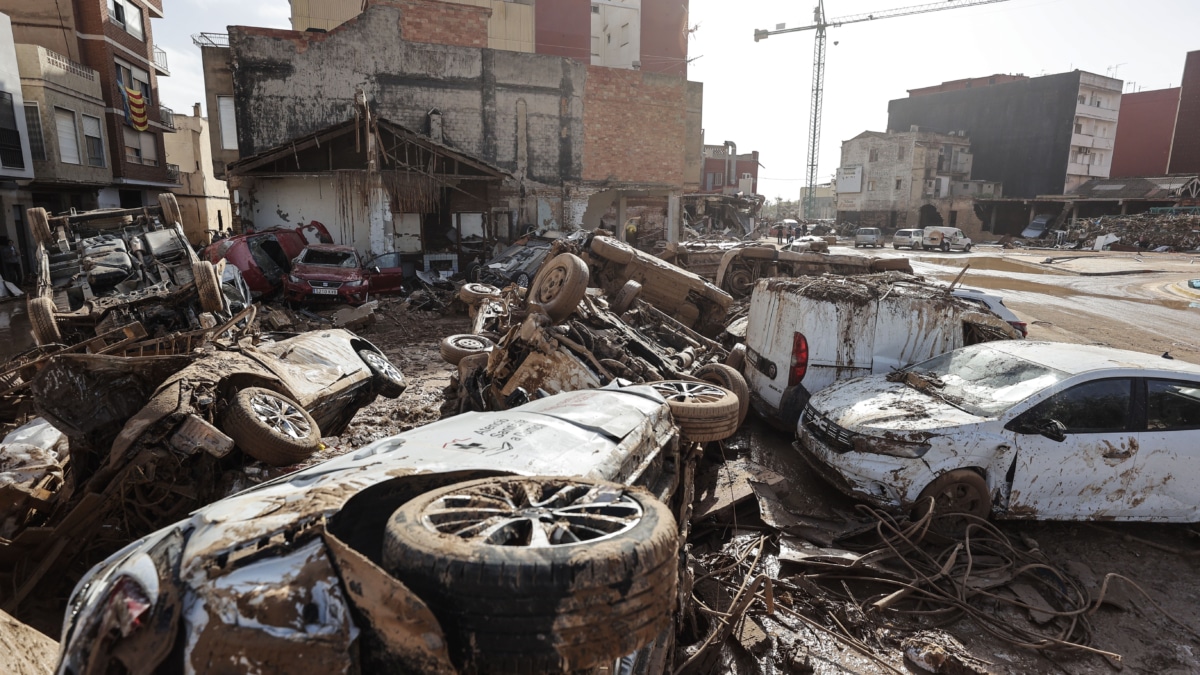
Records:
x=534, y=540
x=1016, y=429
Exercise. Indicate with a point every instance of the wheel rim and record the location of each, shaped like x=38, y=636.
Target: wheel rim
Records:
x=958, y=498
x=280, y=415
x=689, y=392
x=550, y=286
x=523, y=281
x=530, y=514
x=470, y=343
x=741, y=282
x=382, y=365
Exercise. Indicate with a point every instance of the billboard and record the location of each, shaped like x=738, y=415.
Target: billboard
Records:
x=849, y=179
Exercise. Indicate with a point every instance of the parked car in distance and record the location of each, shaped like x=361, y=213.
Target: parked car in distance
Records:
x=784, y=227
x=1038, y=227
x=804, y=335
x=993, y=303
x=868, y=236
x=325, y=272
x=909, y=238
x=306, y=573
x=1019, y=429
x=265, y=257
x=945, y=239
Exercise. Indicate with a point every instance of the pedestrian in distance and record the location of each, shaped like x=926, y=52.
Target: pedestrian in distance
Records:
x=10, y=261
x=779, y=233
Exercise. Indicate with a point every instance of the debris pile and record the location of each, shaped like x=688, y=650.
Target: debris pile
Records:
x=1146, y=231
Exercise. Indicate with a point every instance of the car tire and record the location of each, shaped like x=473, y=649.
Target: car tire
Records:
x=896, y=246
x=703, y=412
x=170, y=209
x=560, y=285
x=613, y=250
x=967, y=248
x=270, y=427
x=961, y=491
x=510, y=607
x=625, y=297
x=42, y=321
x=208, y=286
x=728, y=378
x=39, y=225
x=945, y=247
x=737, y=357
x=472, y=274
x=389, y=381
x=522, y=280
x=456, y=347
x=740, y=283
x=475, y=293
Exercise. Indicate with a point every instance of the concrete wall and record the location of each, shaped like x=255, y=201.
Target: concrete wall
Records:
x=1020, y=131
x=52, y=83
x=50, y=24
x=1145, y=128
x=511, y=24
x=1185, y=149
x=284, y=201
x=202, y=195
x=218, y=81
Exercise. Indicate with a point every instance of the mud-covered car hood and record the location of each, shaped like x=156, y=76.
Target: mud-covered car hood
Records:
x=326, y=273
x=873, y=403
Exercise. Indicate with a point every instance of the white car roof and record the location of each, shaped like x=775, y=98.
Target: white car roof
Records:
x=1076, y=359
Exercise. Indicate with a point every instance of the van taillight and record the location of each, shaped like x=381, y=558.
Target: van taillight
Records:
x=799, y=359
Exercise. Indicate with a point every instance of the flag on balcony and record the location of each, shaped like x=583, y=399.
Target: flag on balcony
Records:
x=136, y=107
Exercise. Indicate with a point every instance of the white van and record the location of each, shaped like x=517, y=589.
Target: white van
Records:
x=803, y=335
x=868, y=236
x=946, y=239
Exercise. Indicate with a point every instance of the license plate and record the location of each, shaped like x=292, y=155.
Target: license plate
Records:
x=325, y=291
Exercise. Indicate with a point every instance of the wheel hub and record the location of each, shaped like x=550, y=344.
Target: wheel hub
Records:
x=280, y=415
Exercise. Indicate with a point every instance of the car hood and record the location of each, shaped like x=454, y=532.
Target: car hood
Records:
x=326, y=273
x=872, y=405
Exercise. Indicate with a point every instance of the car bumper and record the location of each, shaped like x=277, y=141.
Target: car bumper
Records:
x=883, y=481
x=304, y=293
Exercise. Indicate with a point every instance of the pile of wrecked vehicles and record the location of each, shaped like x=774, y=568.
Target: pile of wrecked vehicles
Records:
x=544, y=528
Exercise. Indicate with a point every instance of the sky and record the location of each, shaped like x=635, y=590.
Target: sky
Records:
x=757, y=94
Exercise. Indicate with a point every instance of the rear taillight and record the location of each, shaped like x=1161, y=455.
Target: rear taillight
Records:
x=799, y=359
x=1021, y=326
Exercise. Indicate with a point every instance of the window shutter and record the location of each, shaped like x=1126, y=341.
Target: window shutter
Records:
x=68, y=137
x=228, y=123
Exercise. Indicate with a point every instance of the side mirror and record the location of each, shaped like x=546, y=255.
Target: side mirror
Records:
x=376, y=269
x=1051, y=428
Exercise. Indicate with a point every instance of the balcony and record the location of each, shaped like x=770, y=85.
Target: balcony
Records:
x=1093, y=112
x=160, y=62
x=211, y=39
x=173, y=173
x=166, y=117
x=1086, y=141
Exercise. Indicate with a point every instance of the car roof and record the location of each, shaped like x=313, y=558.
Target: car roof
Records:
x=1076, y=359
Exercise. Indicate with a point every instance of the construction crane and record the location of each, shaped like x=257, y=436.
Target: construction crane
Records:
x=818, y=79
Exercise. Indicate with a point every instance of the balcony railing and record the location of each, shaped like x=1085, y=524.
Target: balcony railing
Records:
x=211, y=39
x=160, y=61
x=173, y=173
x=167, y=117
x=62, y=62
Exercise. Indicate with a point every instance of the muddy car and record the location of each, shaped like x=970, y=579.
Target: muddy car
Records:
x=1017, y=429
x=741, y=268
x=402, y=555
x=265, y=257
x=329, y=273
x=102, y=269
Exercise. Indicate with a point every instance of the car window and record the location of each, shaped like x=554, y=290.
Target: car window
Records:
x=1172, y=405
x=983, y=381
x=1092, y=407
x=330, y=258
x=386, y=261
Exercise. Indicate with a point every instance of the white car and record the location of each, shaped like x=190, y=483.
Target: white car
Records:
x=909, y=238
x=1017, y=429
x=945, y=239
x=868, y=236
x=994, y=304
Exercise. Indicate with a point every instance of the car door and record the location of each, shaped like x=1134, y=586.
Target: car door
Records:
x=1090, y=473
x=1168, y=452
x=389, y=278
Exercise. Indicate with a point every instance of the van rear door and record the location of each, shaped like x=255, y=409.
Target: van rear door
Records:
x=911, y=329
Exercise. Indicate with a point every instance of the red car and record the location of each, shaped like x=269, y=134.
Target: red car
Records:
x=337, y=273
x=265, y=257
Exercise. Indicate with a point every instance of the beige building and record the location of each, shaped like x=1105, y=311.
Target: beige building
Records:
x=203, y=198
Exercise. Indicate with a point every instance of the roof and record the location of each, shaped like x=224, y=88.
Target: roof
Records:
x=1164, y=187
x=1076, y=359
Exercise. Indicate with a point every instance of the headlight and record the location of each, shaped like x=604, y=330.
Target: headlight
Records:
x=888, y=446
x=354, y=284
x=293, y=278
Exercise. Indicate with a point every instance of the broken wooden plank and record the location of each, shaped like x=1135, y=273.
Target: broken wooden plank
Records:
x=719, y=490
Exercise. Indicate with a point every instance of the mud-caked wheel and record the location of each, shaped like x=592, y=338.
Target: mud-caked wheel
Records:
x=389, y=381
x=703, y=411
x=538, y=574
x=170, y=209
x=476, y=293
x=208, y=286
x=737, y=357
x=39, y=225
x=560, y=285
x=270, y=427
x=42, y=321
x=741, y=282
x=957, y=497
x=728, y=378
x=625, y=297
x=455, y=348
x=612, y=250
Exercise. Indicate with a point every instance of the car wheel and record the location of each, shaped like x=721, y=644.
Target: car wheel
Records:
x=737, y=357
x=473, y=272
x=389, y=381
x=522, y=280
x=39, y=225
x=208, y=286
x=475, y=293
x=896, y=246
x=957, y=498
x=728, y=378
x=625, y=297
x=270, y=427
x=612, y=250
x=704, y=412
x=538, y=574
x=170, y=209
x=456, y=347
x=741, y=282
x=42, y=321
x=561, y=284
x=945, y=247
x=967, y=248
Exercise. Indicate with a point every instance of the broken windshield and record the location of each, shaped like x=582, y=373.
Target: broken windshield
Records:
x=312, y=256
x=980, y=380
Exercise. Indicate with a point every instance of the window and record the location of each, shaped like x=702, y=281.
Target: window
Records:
x=966, y=186
x=128, y=16
x=595, y=9
x=871, y=186
x=899, y=183
x=228, y=121
x=874, y=155
x=93, y=139
x=68, y=136
x=900, y=153
x=1079, y=127
x=10, y=134
x=140, y=147
x=1096, y=102
x=1082, y=100
x=1093, y=407
x=33, y=122
x=135, y=78
x=954, y=219
x=1172, y=405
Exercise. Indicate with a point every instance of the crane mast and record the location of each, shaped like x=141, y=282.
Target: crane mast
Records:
x=819, y=26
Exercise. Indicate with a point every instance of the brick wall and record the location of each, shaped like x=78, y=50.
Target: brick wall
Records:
x=634, y=126
x=444, y=23
x=1185, y=150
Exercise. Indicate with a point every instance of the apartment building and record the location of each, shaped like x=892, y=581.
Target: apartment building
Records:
x=16, y=162
x=727, y=172
x=203, y=198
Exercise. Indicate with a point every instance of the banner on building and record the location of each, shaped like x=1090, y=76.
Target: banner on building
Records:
x=137, y=109
x=849, y=179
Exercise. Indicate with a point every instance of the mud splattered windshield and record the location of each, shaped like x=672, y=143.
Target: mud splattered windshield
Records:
x=980, y=380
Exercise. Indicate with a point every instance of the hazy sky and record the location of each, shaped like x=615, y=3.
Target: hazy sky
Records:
x=757, y=94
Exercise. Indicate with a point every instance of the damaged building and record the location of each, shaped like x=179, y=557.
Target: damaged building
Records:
x=564, y=140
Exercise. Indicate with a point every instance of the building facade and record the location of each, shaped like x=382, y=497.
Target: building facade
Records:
x=1145, y=130
x=824, y=202
x=727, y=172
x=16, y=161
x=203, y=198
x=1185, y=146
x=1041, y=135
x=909, y=179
